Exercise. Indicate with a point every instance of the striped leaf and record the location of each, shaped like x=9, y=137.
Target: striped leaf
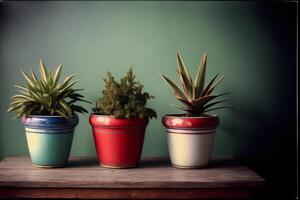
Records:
x=175, y=88
x=57, y=74
x=200, y=78
x=211, y=109
x=43, y=71
x=45, y=96
x=195, y=97
x=211, y=89
x=185, y=77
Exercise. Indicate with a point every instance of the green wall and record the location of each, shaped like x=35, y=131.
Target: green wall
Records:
x=252, y=43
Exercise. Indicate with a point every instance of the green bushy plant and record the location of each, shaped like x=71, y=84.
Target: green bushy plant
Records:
x=46, y=96
x=124, y=99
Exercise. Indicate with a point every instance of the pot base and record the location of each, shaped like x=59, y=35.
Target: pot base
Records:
x=119, y=167
x=190, y=167
x=48, y=166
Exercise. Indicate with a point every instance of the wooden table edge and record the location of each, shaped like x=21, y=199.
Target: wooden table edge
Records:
x=126, y=193
x=10, y=189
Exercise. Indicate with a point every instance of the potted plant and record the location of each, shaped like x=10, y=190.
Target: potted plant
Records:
x=48, y=110
x=119, y=121
x=191, y=135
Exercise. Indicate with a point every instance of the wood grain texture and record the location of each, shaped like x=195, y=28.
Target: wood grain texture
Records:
x=85, y=172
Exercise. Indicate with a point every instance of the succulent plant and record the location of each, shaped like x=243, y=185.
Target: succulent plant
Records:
x=196, y=99
x=125, y=99
x=46, y=96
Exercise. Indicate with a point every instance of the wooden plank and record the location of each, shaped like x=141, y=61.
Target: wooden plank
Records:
x=129, y=193
x=84, y=172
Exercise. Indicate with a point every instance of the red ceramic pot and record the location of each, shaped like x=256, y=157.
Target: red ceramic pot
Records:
x=119, y=142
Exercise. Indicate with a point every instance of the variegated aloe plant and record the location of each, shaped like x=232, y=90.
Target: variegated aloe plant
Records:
x=46, y=96
x=196, y=98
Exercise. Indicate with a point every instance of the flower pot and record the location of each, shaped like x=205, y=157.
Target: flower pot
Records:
x=119, y=142
x=49, y=139
x=190, y=139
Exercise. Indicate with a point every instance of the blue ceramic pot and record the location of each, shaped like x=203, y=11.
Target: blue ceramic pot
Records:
x=49, y=139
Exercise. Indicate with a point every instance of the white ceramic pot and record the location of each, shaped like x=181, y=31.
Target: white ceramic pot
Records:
x=190, y=140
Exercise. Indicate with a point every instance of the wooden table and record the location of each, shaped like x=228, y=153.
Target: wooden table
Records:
x=154, y=178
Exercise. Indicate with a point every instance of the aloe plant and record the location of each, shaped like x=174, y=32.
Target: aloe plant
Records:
x=196, y=98
x=46, y=96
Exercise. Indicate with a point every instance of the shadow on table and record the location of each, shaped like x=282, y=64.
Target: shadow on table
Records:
x=82, y=162
x=149, y=162
x=153, y=162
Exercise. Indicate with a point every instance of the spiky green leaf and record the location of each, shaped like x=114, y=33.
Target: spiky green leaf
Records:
x=211, y=89
x=211, y=109
x=209, y=85
x=57, y=74
x=200, y=77
x=195, y=103
x=45, y=96
x=28, y=79
x=214, y=103
x=180, y=107
x=175, y=88
x=43, y=71
x=185, y=77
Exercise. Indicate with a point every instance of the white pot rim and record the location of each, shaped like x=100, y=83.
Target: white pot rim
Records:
x=191, y=131
x=187, y=117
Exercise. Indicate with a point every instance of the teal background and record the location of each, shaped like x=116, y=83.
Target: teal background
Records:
x=254, y=44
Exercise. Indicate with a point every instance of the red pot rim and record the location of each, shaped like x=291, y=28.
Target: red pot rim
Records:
x=111, y=121
x=182, y=121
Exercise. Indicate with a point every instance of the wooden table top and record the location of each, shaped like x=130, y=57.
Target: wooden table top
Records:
x=153, y=172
